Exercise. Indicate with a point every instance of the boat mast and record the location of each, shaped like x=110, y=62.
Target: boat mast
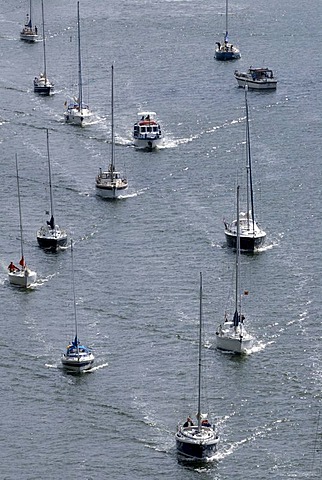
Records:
x=20, y=216
x=112, y=126
x=74, y=295
x=199, y=359
x=249, y=168
x=237, y=296
x=44, y=40
x=80, y=84
x=30, y=22
x=226, y=36
x=52, y=221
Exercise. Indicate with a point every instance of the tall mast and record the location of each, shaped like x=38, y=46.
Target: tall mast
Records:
x=237, y=296
x=44, y=38
x=74, y=294
x=226, y=36
x=249, y=168
x=20, y=216
x=30, y=22
x=199, y=360
x=80, y=84
x=112, y=126
x=52, y=221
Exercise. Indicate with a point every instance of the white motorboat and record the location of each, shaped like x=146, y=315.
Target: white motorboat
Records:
x=110, y=183
x=29, y=33
x=225, y=50
x=198, y=442
x=50, y=236
x=77, y=357
x=42, y=85
x=21, y=276
x=232, y=335
x=251, y=235
x=147, y=131
x=256, y=78
x=77, y=112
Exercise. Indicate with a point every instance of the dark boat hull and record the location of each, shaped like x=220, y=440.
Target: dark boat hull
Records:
x=201, y=451
x=41, y=90
x=226, y=56
x=247, y=243
x=52, y=243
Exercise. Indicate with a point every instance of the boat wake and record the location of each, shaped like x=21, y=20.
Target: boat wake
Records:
x=258, y=347
x=49, y=365
x=97, y=367
x=175, y=142
x=90, y=370
x=259, y=432
x=42, y=281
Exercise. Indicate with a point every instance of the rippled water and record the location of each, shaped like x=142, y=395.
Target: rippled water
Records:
x=138, y=259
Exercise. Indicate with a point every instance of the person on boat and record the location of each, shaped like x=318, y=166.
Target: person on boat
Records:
x=36, y=30
x=188, y=423
x=205, y=423
x=12, y=268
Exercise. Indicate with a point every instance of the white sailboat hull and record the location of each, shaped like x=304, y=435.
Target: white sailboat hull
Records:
x=78, y=117
x=78, y=364
x=23, y=278
x=232, y=339
x=110, y=192
x=106, y=187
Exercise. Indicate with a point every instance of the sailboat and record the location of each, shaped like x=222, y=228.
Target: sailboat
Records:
x=21, y=276
x=77, y=112
x=198, y=441
x=110, y=183
x=251, y=235
x=50, y=236
x=232, y=335
x=77, y=357
x=41, y=83
x=225, y=50
x=29, y=33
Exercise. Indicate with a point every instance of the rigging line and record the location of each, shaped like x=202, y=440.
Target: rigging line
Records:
x=315, y=441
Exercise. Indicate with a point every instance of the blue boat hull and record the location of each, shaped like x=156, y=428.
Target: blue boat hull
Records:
x=199, y=451
x=226, y=56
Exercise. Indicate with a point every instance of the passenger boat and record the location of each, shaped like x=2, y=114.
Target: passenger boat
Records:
x=29, y=33
x=197, y=442
x=147, y=131
x=111, y=184
x=232, y=335
x=42, y=85
x=256, y=78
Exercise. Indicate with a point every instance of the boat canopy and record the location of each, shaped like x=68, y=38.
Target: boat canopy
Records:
x=146, y=114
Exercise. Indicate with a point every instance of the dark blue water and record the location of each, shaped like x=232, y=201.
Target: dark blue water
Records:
x=138, y=259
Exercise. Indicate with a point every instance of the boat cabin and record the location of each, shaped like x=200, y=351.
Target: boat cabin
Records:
x=261, y=73
x=147, y=125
